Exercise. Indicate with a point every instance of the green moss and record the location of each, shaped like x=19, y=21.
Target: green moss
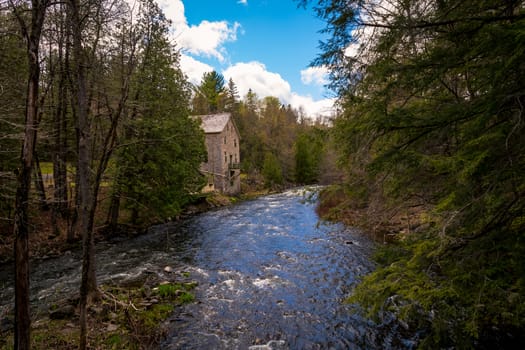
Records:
x=54, y=334
x=185, y=298
x=173, y=291
x=152, y=317
x=168, y=290
x=115, y=341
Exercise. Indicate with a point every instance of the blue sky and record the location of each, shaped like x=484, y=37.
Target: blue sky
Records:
x=265, y=45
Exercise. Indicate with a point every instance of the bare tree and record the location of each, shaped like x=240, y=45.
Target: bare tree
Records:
x=88, y=282
x=31, y=30
x=97, y=108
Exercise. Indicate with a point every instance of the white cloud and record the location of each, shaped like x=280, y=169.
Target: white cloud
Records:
x=194, y=69
x=174, y=11
x=207, y=38
x=254, y=75
x=315, y=76
x=324, y=107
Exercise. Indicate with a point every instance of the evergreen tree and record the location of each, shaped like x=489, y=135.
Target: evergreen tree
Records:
x=272, y=172
x=231, y=103
x=433, y=103
x=308, y=153
x=210, y=95
x=159, y=166
x=252, y=148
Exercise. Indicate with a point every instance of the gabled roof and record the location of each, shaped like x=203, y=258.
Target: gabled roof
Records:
x=214, y=123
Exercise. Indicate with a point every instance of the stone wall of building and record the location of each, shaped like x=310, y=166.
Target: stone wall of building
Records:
x=223, y=166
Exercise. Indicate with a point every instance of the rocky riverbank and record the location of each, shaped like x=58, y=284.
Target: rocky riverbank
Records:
x=126, y=315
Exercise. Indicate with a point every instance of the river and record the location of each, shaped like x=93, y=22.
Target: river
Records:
x=271, y=276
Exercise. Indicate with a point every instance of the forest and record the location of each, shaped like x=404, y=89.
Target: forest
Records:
x=426, y=153
x=96, y=134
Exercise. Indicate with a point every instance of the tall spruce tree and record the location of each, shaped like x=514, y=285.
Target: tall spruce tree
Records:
x=211, y=95
x=433, y=97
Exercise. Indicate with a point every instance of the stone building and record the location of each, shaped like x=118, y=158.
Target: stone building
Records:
x=222, y=143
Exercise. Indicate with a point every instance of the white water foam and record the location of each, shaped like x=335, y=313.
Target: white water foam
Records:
x=272, y=344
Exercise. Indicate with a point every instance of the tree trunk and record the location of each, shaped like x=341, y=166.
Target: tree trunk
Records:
x=114, y=207
x=88, y=284
x=60, y=192
x=21, y=232
x=21, y=225
x=59, y=131
x=39, y=184
x=72, y=216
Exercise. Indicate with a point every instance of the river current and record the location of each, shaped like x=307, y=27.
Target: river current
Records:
x=270, y=275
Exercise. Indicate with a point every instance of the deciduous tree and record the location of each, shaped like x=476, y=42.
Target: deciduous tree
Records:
x=31, y=30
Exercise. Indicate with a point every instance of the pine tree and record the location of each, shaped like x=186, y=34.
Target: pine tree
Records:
x=433, y=99
x=231, y=103
x=210, y=95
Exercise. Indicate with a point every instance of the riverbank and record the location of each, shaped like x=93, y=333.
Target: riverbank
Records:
x=383, y=224
x=44, y=243
x=128, y=315
x=259, y=266
x=444, y=298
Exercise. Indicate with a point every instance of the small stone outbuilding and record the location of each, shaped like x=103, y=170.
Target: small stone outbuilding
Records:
x=222, y=143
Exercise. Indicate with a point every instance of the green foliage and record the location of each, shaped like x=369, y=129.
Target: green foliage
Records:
x=115, y=341
x=152, y=317
x=231, y=102
x=167, y=290
x=171, y=290
x=179, y=293
x=211, y=94
x=308, y=154
x=158, y=166
x=272, y=172
x=433, y=109
x=186, y=298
